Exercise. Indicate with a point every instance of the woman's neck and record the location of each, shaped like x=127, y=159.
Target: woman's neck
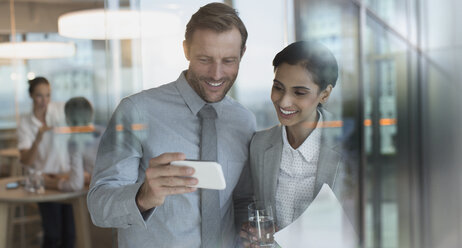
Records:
x=298, y=133
x=40, y=114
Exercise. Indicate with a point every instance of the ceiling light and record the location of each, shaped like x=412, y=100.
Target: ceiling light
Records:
x=33, y=50
x=36, y=50
x=101, y=24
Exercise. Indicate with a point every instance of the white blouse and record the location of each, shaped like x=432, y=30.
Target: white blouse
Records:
x=297, y=175
x=51, y=154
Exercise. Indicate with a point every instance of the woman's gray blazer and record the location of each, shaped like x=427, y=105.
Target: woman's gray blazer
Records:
x=265, y=160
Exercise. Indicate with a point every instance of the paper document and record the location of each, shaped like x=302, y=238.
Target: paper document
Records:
x=323, y=224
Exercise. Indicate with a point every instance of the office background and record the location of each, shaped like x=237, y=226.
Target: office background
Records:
x=397, y=98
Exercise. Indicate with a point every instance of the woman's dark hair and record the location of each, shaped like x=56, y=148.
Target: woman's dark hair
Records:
x=78, y=111
x=36, y=81
x=315, y=57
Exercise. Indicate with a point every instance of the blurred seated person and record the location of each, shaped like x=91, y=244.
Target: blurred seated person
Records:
x=82, y=147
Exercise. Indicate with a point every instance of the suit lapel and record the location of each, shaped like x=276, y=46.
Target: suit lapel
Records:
x=272, y=162
x=327, y=168
x=328, y=160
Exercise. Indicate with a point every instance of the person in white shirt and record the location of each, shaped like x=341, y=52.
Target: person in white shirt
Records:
x=290, y=162
x=40, y=148
x=82, y=147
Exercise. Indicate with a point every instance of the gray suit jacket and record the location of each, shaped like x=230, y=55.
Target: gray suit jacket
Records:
x=265, y=160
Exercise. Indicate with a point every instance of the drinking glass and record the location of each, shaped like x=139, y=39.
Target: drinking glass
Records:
x=262, y=224
x=34, y=181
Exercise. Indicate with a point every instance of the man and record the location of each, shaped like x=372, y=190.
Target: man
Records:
x=81, y=147
x=135, y=189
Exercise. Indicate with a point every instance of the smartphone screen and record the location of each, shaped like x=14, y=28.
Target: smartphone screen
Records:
x=12, y=185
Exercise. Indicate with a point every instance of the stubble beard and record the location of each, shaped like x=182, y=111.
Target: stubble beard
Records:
x=196, y=83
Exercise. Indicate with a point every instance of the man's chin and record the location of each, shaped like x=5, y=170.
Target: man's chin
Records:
x=214, y=99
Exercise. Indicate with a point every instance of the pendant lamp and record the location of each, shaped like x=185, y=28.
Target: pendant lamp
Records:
x=103, y=24
x=33, y=50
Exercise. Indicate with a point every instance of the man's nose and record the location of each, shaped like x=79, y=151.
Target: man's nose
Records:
x=216, y=71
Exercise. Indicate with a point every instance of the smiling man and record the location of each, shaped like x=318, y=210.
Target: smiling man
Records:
x=135, y=189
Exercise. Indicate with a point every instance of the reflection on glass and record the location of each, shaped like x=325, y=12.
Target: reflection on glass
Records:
x=385, y=67
x=392, y=12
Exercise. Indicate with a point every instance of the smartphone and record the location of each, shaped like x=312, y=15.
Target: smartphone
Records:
x=12, y=185
x=209, y=174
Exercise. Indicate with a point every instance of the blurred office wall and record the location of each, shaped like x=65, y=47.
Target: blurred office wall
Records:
x=442, y=113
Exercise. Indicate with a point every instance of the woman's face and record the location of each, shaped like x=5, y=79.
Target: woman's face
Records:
x=41, y=96
x=295, y=96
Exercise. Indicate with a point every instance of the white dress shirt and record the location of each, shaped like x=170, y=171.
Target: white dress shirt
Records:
x=297, y=176
x=51, y=154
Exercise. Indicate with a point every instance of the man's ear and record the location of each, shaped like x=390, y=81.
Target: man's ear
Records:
x=326, y=93
x=186, y=50
x=243, y=51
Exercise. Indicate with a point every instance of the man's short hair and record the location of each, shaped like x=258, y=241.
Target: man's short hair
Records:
x=218, y=17
x=78, y=111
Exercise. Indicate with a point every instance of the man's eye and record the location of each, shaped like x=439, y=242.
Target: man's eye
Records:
x=230, y=61
x=299, y=93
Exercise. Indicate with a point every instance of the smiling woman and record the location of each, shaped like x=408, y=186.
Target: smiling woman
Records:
x=297, y=151
x=305, y=73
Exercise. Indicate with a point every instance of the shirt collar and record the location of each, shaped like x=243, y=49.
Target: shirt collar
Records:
x=313, y=139
x=192, y=99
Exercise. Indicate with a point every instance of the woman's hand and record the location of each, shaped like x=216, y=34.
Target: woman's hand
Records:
x=247, y=234
x=43, y=129
x=27, y=156
x=51, y=181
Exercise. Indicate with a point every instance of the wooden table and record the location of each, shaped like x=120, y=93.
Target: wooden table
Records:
x=9, y=152
x=20, y=196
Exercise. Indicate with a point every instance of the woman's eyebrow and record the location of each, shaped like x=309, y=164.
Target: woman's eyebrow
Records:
x=301, y=87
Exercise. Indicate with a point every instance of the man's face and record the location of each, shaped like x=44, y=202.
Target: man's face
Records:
x=213, y=62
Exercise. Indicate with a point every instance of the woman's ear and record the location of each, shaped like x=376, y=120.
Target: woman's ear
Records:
x=326, y=93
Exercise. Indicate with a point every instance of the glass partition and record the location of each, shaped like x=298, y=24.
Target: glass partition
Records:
x=398, y=83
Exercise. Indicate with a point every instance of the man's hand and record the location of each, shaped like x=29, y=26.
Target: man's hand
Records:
x=162, y=180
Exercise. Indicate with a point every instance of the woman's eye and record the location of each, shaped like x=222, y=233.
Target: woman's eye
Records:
x=276, y=87
x=298, y=93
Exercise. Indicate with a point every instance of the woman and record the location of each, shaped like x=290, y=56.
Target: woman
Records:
x=40, y=148
x=290, y=162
